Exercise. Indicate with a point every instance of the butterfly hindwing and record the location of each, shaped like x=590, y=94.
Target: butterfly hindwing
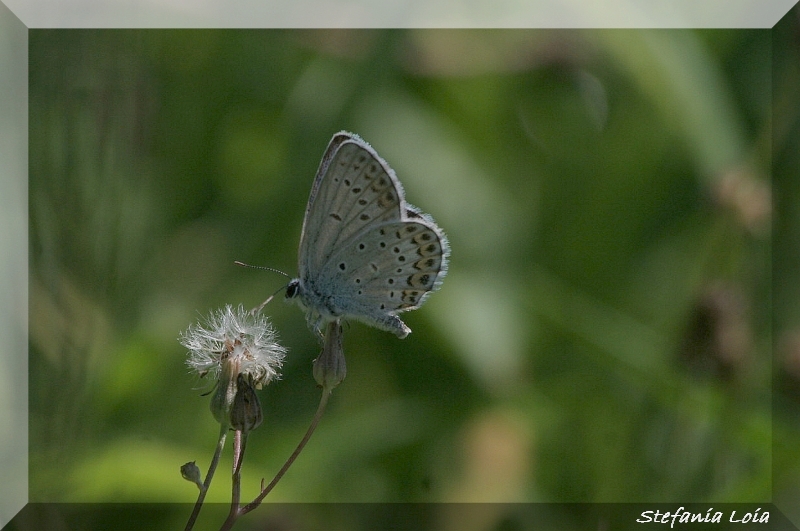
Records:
x=391, y=267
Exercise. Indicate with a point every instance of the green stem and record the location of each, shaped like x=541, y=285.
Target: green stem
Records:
x=239, y=444
x=202, y=496
x=266, y=490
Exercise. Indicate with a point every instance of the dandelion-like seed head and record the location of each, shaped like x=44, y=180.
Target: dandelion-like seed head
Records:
x=237, y=338
x=234, y=346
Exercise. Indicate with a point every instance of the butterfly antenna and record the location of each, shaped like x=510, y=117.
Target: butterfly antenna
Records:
x=237, y=262
x=258, y=308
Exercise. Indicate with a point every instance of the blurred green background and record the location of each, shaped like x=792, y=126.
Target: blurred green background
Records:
x=604, y=333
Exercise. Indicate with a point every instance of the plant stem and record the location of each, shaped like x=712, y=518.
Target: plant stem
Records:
x=266, y=490
x=209, y=476
x=239, y=444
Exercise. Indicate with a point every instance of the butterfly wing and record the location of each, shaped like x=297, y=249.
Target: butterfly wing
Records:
x=353, y=188
x=312, y=221
x=386, y=269
x=364, y=253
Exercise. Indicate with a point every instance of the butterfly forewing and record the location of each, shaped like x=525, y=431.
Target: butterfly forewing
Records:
x=353, y=191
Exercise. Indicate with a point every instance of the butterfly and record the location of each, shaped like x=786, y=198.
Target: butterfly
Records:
x=365, y=253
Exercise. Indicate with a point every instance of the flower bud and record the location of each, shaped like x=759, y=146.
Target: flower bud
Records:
x=222, y=401
x=246, y=412
x=330, y=367
x=191, y=472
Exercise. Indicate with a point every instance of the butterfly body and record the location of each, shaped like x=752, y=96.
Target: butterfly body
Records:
x=364, y=252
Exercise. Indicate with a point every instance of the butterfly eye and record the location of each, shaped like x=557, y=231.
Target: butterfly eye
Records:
x=292, y=289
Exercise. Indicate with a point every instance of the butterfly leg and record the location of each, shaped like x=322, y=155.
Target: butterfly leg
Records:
x=316, y=323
